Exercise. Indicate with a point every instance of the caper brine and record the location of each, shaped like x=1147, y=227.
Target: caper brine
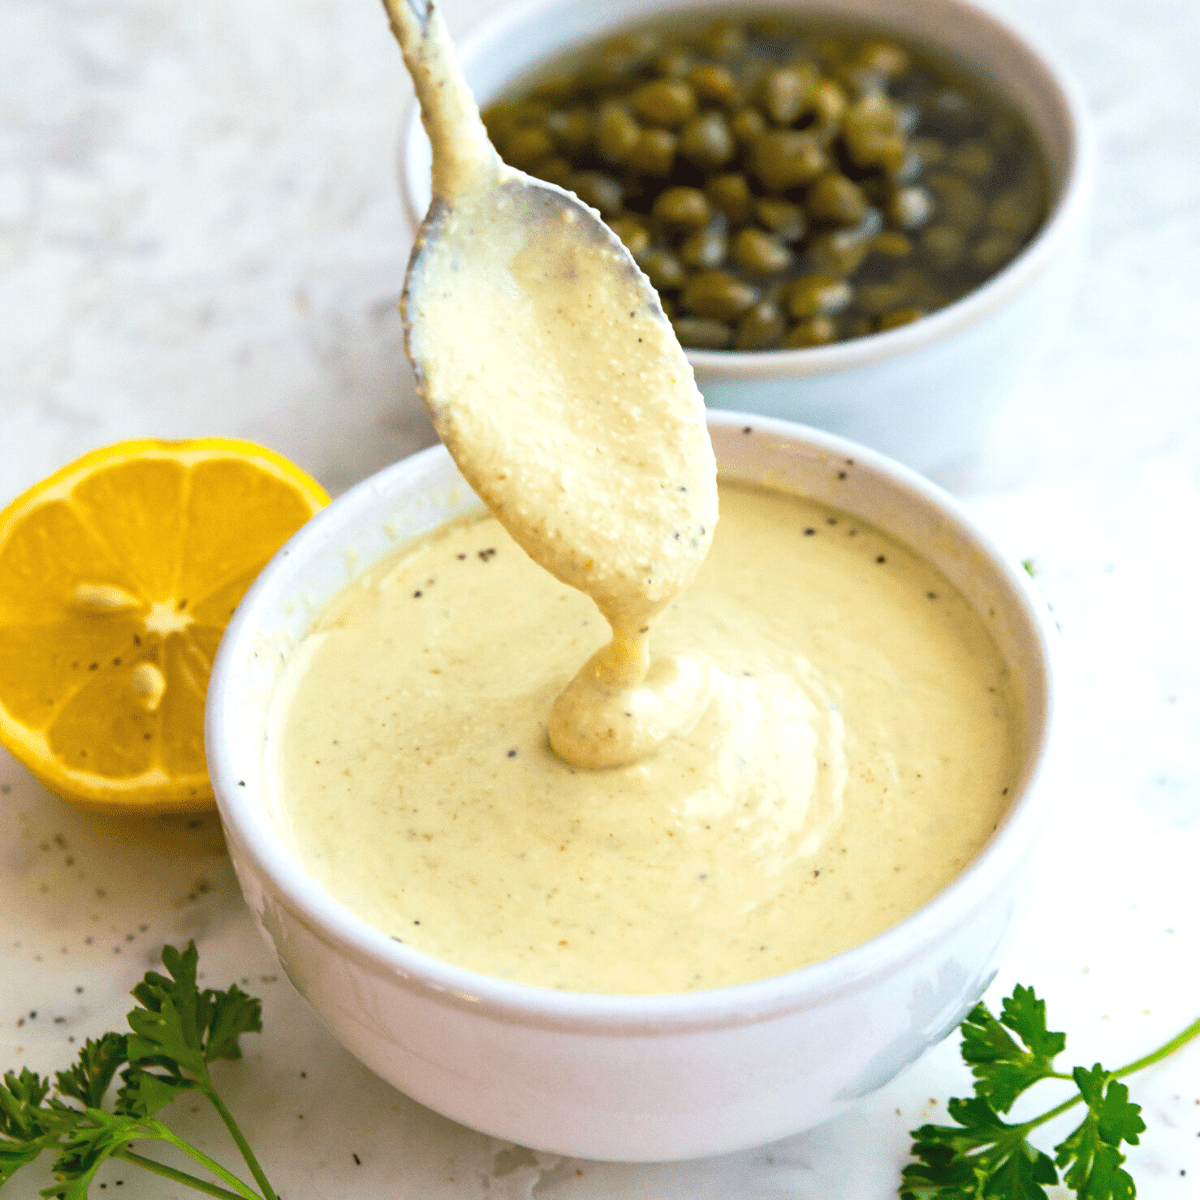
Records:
x=783, y=182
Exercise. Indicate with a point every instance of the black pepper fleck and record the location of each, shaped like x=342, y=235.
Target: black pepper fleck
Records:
x=747, y=429
x=357, y=1160
x=809, y=532
x=416, y=595
x=879, y=558
x=512, y=754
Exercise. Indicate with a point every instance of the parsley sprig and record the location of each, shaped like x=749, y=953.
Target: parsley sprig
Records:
x=984, y=1157
x=176, y=1031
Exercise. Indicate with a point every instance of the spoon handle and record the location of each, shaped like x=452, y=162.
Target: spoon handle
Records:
x=448, y=110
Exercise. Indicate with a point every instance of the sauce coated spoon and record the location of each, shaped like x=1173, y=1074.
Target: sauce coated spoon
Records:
x=557, y=384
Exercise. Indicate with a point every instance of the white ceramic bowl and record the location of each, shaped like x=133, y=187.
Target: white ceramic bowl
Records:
x=925, y=392
x=628, y=1077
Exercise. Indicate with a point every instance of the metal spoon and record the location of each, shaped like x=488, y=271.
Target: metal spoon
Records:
x=550, y=371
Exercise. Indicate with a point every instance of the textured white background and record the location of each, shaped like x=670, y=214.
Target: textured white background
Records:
x=200, y=234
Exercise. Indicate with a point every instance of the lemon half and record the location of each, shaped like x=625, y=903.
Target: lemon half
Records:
x=118, y=575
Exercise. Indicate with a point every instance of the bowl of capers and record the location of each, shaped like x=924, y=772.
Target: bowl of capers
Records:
x=862, y=216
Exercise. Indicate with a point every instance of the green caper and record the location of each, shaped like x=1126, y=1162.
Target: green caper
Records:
x=639, y=44
x=633, y=232
x=654, y=153
x=898, y=317
x=706, y=141
x=530, y=112
x=723, y=39
x=673, y=63
x=784, y=92
x=664, y=270
x=702, y=333
x=787, y=158
x=993, y=250
x=876, y=298
x=828, y=102
x=883, y=59
x=892, y=244
x=713, y=83
x=682, y=208
x=731, y=195
x=747, y=125
x=952, y=107
x=974, y=159
x=616, y=133
x=665, y=102
x=556, y=89
x=944, y=244
x=554, y=169
x=718, y=294
x=817, y=295
x=1013, y=212
x=611, y=70
x=834, y=253
x=600, y=191
x=761, y=327
x=837, y=200
x=704, y=249
x=499, y=120
x=759, y=253
x=782, y=218
x=524, y=147
x=872, y=133
x=816, y=331
x=910, y=207
x=929, y=150
x=957, y=201
x=572, y=129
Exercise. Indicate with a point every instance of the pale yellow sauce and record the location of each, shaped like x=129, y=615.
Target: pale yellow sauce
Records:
x=854, y=755
x=822, y=738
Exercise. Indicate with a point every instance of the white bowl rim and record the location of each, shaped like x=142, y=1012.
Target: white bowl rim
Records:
x=1066, y=214
x=739, y=1004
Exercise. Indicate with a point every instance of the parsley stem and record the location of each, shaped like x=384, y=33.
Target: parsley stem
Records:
x=240, y=1188
x=183, y=1177
x=1166, y=1048
x=244, y=1146
x=1154, y=1056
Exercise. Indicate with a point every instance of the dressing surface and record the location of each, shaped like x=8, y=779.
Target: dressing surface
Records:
x=855, y=751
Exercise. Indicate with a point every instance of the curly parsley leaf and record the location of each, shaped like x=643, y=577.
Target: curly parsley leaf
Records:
x=182, y=1028
x=88, y=1079
x=1003, y=1069
x=981, y=1156
x=1091, y=1152
x=177, y=1030
x=984, y=1157
x=94, y=1137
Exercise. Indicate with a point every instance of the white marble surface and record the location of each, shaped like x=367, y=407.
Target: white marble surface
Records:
x=200, y=234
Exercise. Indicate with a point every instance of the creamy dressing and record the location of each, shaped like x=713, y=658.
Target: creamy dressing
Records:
x=854, y=755
x=821, y=741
